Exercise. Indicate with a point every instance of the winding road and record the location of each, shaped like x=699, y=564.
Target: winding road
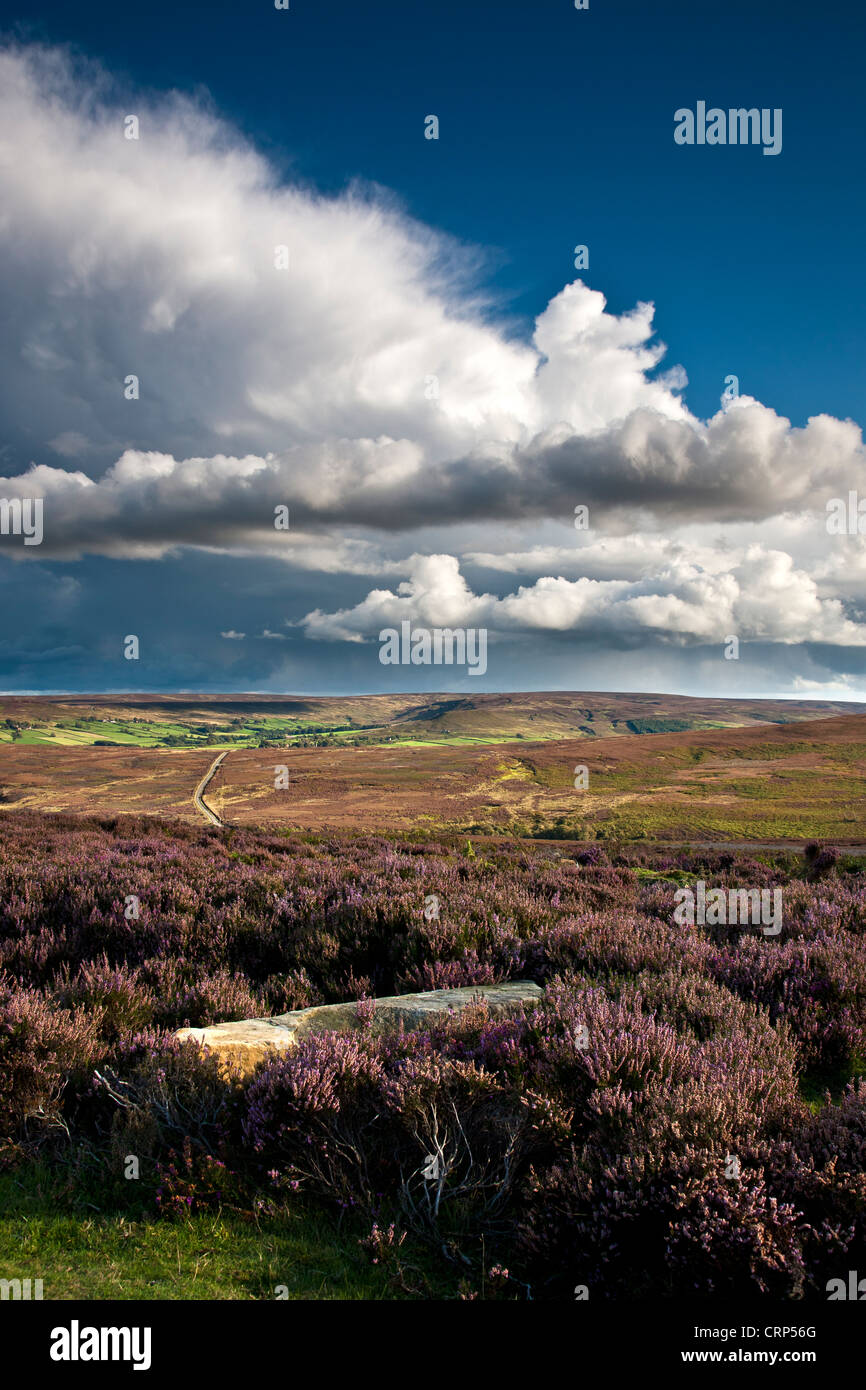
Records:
x=198, y=794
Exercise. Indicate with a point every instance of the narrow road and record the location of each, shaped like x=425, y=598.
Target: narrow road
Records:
x=198, y=794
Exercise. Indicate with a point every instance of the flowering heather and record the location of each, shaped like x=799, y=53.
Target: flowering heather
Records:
x=662, y=1122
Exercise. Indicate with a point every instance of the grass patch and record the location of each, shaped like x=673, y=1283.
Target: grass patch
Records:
x=57, y=1231
x=678, y=876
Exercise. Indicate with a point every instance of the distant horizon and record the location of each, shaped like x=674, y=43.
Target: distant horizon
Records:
x=429, y=694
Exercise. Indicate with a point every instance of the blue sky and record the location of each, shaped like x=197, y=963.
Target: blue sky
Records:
x=556, y=128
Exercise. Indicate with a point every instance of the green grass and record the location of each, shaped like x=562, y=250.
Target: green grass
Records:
x=52, y=1230
x=156, y=734
x=84, y=734
x=679, y=876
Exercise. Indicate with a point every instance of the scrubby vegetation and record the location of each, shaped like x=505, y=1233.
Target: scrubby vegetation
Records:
x=682, y=1113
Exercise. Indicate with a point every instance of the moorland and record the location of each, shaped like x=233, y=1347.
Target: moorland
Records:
x=683, y=1113
x=656, y=767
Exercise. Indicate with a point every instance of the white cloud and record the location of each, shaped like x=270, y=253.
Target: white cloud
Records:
x=841, y=687
x=761, y=598
x=312, y=386
x=371, y=390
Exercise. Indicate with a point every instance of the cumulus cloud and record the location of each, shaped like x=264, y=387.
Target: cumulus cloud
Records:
x=157, y=257
x=761, y=597
x=371, y=389
x=608, y=557
x=364, y=385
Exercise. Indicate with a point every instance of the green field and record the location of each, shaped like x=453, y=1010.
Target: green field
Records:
x=154, y=734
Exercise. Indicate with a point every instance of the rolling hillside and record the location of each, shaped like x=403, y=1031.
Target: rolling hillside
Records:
x=191, y=721
x=764, y=780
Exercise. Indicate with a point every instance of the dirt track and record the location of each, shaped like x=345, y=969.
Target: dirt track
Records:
x=198, y=794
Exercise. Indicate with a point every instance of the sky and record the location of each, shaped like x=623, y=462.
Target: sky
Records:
x=280, y=372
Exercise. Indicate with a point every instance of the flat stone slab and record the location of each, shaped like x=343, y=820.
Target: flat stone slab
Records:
x=241, y=1046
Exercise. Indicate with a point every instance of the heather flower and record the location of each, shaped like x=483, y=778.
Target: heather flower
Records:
x=593, y=1133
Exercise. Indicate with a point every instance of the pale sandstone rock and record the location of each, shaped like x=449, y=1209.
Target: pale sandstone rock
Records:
x=241, y=1046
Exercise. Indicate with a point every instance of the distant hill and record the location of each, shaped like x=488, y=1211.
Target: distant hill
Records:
x=249, y=720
